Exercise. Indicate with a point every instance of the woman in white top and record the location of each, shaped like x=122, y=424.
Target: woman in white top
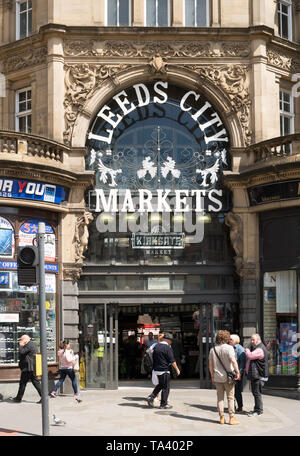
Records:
x=66, y=361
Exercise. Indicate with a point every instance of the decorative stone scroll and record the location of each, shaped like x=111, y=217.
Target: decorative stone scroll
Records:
x=146, y=49
x=283, y=60
x=30, y=57
x=81, y=80
x=233, y=80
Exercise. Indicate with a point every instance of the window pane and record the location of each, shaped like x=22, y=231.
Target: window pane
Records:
x=151, y=13
x=29, y=22
x=162, y=16
x=201, y=13
x=29, y=124
x=124, y=12
x=111, y=12
x=22, y=124
x=189, y=13
x=285, y=27
x=158, y=283
x=287, y=126
x=23, y=7
x=130, y=283
x=23, y=25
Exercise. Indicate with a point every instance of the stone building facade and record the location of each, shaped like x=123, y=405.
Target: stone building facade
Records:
x=68, y=59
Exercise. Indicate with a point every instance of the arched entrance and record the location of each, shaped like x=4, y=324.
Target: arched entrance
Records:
x=159, y=248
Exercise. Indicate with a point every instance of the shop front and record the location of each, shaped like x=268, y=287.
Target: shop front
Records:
x=159, y=257
x=280, y=289
x=19, y=305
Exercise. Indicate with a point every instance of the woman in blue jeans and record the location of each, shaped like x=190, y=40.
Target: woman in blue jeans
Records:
x=66, y=361
x=241, y=361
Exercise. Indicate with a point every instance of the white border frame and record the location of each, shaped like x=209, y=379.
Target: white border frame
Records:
x=288, y=114
x=289, y=4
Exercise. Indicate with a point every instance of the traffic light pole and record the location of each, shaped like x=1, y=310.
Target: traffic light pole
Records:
x=43, y=330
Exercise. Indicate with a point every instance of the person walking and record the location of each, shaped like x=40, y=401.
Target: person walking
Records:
x=257, y=370
x=219, y=356
x=241, y=359
x=27, y=351
x=66, y=361
x=150, y=340
x=163, y=357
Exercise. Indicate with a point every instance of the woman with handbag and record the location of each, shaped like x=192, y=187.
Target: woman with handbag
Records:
x=67, y=364
x=224, y=372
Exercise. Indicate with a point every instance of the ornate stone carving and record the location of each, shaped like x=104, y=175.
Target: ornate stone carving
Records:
x=235, y=224
x=233, y=80
x=72, y=273
x=146, y=49
x=157, y=64
x=283, y=60
x=81, y=236
x=80, y=81
x=34, y=56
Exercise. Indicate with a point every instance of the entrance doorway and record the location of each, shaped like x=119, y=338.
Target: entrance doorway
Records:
x=99, y=345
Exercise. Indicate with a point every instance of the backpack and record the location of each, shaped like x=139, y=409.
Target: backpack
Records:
x=148, y=361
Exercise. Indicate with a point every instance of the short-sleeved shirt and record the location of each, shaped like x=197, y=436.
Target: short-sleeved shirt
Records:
x=226, y=353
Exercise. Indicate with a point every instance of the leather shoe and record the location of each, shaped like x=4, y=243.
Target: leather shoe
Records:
x=15, y=399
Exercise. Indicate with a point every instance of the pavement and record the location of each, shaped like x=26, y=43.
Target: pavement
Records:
x=124, y=412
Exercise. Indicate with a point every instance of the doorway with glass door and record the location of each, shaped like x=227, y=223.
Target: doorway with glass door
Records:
x=99, y=345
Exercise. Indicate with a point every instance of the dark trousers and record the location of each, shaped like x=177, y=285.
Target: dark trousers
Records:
x=238, y=392
x=163, y=387
x=256, y=388
x=63, y=374
x=25, y=377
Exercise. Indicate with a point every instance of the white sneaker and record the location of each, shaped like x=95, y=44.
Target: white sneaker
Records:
x=53, y=394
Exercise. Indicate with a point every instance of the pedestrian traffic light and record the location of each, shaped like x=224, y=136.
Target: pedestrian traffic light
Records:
x=28, y=263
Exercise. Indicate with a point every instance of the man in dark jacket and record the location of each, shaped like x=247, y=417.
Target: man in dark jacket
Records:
x=163, y=357
x=27, y=356
x=257, y=369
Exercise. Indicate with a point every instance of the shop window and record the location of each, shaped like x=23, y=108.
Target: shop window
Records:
x=195, y=13
x=157, y=13
x=23, y=18
x=19, y=314
x=118, y=12
x=28, y=233
x=159, y=283
x=130, y=283
x=23, y=110
x=280, y=321
x=7, y=240
x=91, y=283
x=286, y=106
x=284, y=12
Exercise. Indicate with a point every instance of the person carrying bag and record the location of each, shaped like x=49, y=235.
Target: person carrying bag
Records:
x=222, y=362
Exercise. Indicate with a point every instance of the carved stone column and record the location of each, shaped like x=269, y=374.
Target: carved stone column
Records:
x=247, y=270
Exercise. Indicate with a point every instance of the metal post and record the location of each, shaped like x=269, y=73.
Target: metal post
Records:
x=43, y=331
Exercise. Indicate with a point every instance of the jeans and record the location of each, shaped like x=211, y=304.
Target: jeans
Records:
x=25, y=377
x=164, y=387
x=238, y=392
x=256, y=388
x=63, y=374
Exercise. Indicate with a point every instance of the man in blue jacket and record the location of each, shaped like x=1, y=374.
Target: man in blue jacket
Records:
x=241, y=361
x=163, y=358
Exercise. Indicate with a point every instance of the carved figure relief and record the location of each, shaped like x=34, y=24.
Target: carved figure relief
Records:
x=235, y=224
x=81, y=236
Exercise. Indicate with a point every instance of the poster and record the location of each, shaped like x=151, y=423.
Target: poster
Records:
x=7, y=244
x=29, y=231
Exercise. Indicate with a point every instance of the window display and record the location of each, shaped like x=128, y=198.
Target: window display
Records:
x=19, y=314
x=280, y=321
